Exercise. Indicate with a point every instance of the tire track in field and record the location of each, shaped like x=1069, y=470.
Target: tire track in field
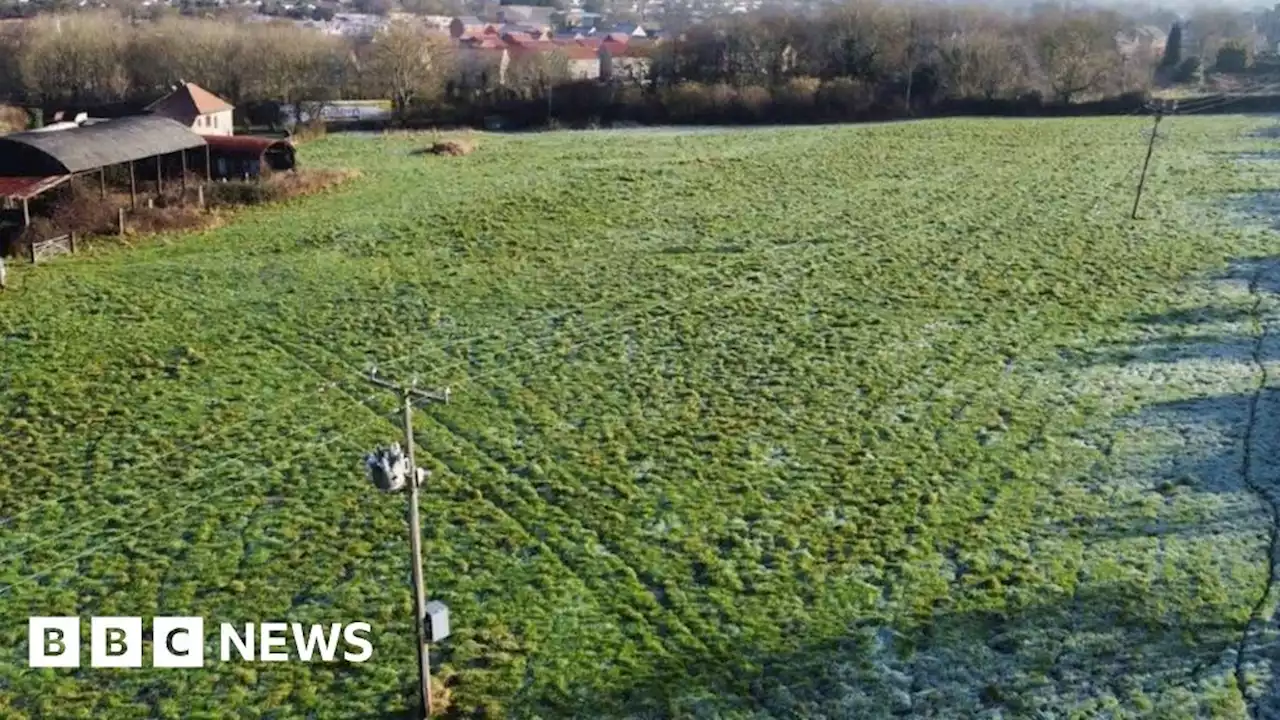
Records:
x=557, y=522
x=365, y=403
x=153, y=460
x=502, y=509
x=181, y=303
x=1246, y=471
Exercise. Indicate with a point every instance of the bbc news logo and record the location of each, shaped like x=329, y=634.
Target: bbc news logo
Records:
x=179, y=642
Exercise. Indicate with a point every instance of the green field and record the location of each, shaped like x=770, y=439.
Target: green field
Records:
x=820, y=422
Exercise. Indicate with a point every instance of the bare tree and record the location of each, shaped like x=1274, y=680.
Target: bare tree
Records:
x=535, y=74
x=986, y=64
x=75, y=58
x=409, y=62
x=1077, y=52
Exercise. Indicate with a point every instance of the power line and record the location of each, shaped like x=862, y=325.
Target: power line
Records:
x=200, y=501
x=601, y=322
x=77, y=530
x=666, y=301
x=1105, y=196
x=1201, y=105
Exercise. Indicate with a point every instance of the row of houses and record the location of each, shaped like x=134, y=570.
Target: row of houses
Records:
x=523, y=18
x=616, y=57
x=547, y=21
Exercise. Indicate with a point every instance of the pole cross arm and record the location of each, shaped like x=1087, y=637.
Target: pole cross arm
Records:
x=441, y=396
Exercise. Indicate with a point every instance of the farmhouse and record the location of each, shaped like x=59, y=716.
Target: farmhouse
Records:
x=197, y=108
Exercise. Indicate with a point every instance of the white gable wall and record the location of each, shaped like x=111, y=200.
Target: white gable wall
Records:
x=219, y=123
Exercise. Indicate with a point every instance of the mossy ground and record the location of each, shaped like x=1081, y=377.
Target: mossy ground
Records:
x=801, y=422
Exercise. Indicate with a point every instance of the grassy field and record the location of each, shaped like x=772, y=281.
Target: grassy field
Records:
x=822, y=422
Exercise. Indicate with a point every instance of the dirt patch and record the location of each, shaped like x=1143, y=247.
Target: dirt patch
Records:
x=452, y=148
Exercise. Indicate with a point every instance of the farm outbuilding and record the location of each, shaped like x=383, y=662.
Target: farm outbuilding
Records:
x=126, y=152
x=93, y=146
x=34, y=162
x=245, y=157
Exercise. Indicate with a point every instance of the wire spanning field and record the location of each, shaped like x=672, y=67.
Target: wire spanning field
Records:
x=823, y=422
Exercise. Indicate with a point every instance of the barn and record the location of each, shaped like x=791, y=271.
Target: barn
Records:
x=150, y=146
x=141, y=152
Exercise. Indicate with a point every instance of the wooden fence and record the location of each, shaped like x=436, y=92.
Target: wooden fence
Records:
x=52, y=247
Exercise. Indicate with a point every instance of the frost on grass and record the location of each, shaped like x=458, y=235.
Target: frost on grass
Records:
x=1171, y=556
x=892, y=442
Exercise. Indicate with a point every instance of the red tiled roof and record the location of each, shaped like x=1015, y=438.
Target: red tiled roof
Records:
x=618, y=38
x=577, y=52
x=531, y=48
x=485, y=43
x=22, y=188
x=190, y=98
x=572, y=52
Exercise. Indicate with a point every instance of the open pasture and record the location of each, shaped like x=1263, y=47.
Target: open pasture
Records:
x=807, y=422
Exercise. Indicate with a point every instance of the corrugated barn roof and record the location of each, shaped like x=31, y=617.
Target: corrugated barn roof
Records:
x=93, y=146
x=21, y=188
x=246, y=144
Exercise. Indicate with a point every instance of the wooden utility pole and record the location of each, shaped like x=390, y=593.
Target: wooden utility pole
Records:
x=1159, y=110
x=407, y=394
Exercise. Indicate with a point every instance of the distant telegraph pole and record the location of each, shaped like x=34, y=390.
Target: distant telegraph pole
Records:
x=1159, y=109
x=391, y=470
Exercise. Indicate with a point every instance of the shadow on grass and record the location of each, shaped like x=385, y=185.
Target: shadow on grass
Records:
x=1110, y=639
x=1105, y=639
x=1187, y=334
x=1262, y=207
x=1267, y=132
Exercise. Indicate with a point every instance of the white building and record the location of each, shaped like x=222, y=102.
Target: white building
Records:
x=201, y=110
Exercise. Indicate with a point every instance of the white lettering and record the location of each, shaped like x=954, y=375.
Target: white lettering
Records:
x=273, y=637
x=328, y=645
x=350, y=634
x=231, y=637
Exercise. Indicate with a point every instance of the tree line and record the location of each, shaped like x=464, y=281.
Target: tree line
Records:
x=865, y=57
